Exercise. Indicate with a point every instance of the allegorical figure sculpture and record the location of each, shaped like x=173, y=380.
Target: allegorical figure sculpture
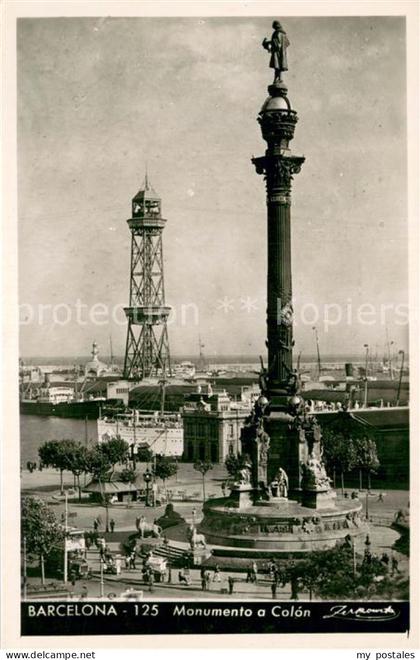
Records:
x=277, y=47
x=314, y=475
x=280, y=485
x=243, y=475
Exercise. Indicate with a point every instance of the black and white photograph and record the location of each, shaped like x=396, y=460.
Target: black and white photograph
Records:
x=215, y=349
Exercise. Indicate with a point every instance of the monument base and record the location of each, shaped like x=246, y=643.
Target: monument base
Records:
x=318, y=499
x=241, y=496
x=199, y=555
x=285, y=528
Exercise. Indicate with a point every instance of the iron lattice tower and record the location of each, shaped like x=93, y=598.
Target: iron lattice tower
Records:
x=147, y=347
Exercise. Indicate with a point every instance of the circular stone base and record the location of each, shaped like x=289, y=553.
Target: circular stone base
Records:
x=288, y=528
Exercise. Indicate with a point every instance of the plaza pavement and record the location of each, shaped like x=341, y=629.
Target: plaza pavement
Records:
x=45, y=484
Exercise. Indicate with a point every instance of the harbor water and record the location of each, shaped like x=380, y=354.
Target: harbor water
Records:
x=35, y=430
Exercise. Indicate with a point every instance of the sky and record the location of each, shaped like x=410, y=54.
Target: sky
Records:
x=101, y=99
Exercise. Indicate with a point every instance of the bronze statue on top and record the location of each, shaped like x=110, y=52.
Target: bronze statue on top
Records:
x=278, y=49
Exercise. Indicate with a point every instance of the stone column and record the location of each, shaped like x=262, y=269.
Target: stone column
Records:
x=278, y=165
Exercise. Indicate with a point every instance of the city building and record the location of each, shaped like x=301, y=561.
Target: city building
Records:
x=212, y=425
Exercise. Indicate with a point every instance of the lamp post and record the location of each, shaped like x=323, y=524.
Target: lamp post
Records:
x=366, y=346
x=25, y=570
x=66, y=515
x=101, y=593
x=401, y=374
x=147, y=476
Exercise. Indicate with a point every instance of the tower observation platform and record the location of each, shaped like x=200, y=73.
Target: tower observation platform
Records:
x=147, y=347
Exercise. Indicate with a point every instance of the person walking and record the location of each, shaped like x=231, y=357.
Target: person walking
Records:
x=138, y=520
x=133, y=560
x=112, y=525
x=95, y=525
x=254, y=572
x=294, y=583
x=394, y=565
x=169, y=575
x=274, y=588
x=203, y=581
x=231, y=583
x=208, y=580
x=84, y=593
x=216, y=575
x=151, y=579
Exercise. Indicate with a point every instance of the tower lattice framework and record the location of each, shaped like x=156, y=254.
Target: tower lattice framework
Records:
x=147, y=348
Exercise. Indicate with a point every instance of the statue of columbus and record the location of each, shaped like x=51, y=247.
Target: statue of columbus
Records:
x=277, y=47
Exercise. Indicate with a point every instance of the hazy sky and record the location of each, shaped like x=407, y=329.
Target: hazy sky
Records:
x=97, y=98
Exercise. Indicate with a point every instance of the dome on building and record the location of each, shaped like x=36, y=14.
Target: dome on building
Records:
x=95, y=366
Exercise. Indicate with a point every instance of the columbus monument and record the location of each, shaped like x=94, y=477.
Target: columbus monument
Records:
x=281, y=501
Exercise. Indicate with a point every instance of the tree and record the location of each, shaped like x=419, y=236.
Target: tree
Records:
x=203, y=467
x=78, y=462
x=233, y=464
x=144, y=455
x=128, y=476
x=366, y=456
x=115, y=451
x=339, y=453
x=164, y=468
x=98, y=464
x=40, y=529
x=55, y=453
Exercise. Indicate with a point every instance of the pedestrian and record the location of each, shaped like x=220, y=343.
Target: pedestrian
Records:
x=274, y=588
x=112, y=525
x=231, y=583
x=151, y=580
x=85, y=592
x=73, y=577
x=138, y=520
x=169, y=575
x=88, y=542
x=202, y=572
x=385, y=560
x=394, y=566
x=272, y=569
x=182, y=578
x=127, y=562
x=208, y=580
x=294, y=583
x=254, y=571
x=249, y=575
x=203, y=582
x=118, y=565
x=381, y=497
x=133, y=560
x=216, y=574
x=95, y=525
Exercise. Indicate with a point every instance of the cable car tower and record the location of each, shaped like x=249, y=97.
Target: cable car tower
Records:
x=147, y=347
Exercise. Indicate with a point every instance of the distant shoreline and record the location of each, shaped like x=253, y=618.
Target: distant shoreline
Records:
x=219, y=359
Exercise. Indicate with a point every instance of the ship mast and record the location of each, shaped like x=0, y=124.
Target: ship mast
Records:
x=110, y=348
x=317, y=352
x=389, y=344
